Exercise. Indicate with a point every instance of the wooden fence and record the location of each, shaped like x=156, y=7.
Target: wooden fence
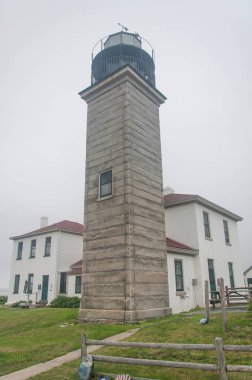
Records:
x=218, y=347
x=238, y=296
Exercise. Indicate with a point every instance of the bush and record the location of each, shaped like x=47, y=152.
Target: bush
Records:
x=3, y=300
x=17, y=304
x=63, y=301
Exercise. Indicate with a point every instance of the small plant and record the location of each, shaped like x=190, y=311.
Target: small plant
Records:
x=63, y=301
x=3, y=300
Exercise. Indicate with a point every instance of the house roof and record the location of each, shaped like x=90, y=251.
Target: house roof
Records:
x=172, y=245
x=64, y=226
x=247, y=270
x=177, y=247
x=171, y=200
x=76, y=268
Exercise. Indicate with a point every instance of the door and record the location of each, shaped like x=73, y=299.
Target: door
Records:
x=45, y=281
x=212, y=278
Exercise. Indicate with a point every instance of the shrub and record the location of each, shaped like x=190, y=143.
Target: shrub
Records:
x=3, y=300
x=17, y=304
x=63, y=301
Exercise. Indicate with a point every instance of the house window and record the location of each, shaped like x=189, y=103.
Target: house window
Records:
x=63, y=278
x=48, y=246
x=105, y=183
x=231, y=275
x=20, y=250
x=179, y=275
x=211, y=274
x=226, y=232
x=16, y=283
x=33, y=249
x=206, y=225
x=78, y=284
x=30, y=283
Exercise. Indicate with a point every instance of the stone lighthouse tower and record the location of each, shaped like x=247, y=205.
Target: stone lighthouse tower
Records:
x=124, y=259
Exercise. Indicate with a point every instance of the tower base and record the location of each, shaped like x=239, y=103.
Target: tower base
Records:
x=120, y=316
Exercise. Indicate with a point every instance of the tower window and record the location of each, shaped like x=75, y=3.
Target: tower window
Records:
x=105, y=184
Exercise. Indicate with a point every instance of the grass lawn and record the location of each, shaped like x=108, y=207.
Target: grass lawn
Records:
x=176, y=329
x=32, y=336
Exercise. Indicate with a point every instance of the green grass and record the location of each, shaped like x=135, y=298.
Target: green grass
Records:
x=180, y=329
x=32, y=336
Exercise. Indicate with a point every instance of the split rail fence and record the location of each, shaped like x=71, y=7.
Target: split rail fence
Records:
x=220, y=349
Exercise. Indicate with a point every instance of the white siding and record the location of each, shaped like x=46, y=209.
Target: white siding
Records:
x=217, y=249
x=71, y=287
x=184, y=223
x=181, y=225
x=189, y=300
x=247, y=276
x=66, y=249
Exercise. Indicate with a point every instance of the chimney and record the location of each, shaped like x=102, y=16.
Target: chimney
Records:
x=168, y=190
x=43, y=221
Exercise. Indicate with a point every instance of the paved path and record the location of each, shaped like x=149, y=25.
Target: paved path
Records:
x=36, y=369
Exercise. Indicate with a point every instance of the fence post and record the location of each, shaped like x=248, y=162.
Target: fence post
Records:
x=221, y=359
x=223, y=305
x=207, y=299
x=83, y=345
x=227, y=295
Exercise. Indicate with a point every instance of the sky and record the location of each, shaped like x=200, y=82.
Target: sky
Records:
x=203, y=60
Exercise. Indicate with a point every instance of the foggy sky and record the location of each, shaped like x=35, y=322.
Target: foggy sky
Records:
x=203, y=65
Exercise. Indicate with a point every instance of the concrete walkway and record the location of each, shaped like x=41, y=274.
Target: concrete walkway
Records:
x=36, y=369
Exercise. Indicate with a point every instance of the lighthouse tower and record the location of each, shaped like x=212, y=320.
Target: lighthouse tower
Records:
x=124, y=258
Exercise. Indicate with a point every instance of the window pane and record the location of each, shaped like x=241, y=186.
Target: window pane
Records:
x=78, y=284
x=30, y=283
x=226, y=233
x=33, y=248
x=179, y=275
x=106, y=189
x=231, y=275
x=48, y=246
x=63, y=277
x=206, y=224
x=106, y=177
x=20, y=249
x=105, y=183
x=16, y=283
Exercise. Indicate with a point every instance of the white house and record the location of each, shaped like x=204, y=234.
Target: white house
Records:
x=41, y=260
x=248, y=276
x=210, y=235
x=202, y=244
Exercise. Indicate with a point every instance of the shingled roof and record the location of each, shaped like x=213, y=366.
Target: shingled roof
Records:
x=171, y=200
x=176, y=246
x=64, y=226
